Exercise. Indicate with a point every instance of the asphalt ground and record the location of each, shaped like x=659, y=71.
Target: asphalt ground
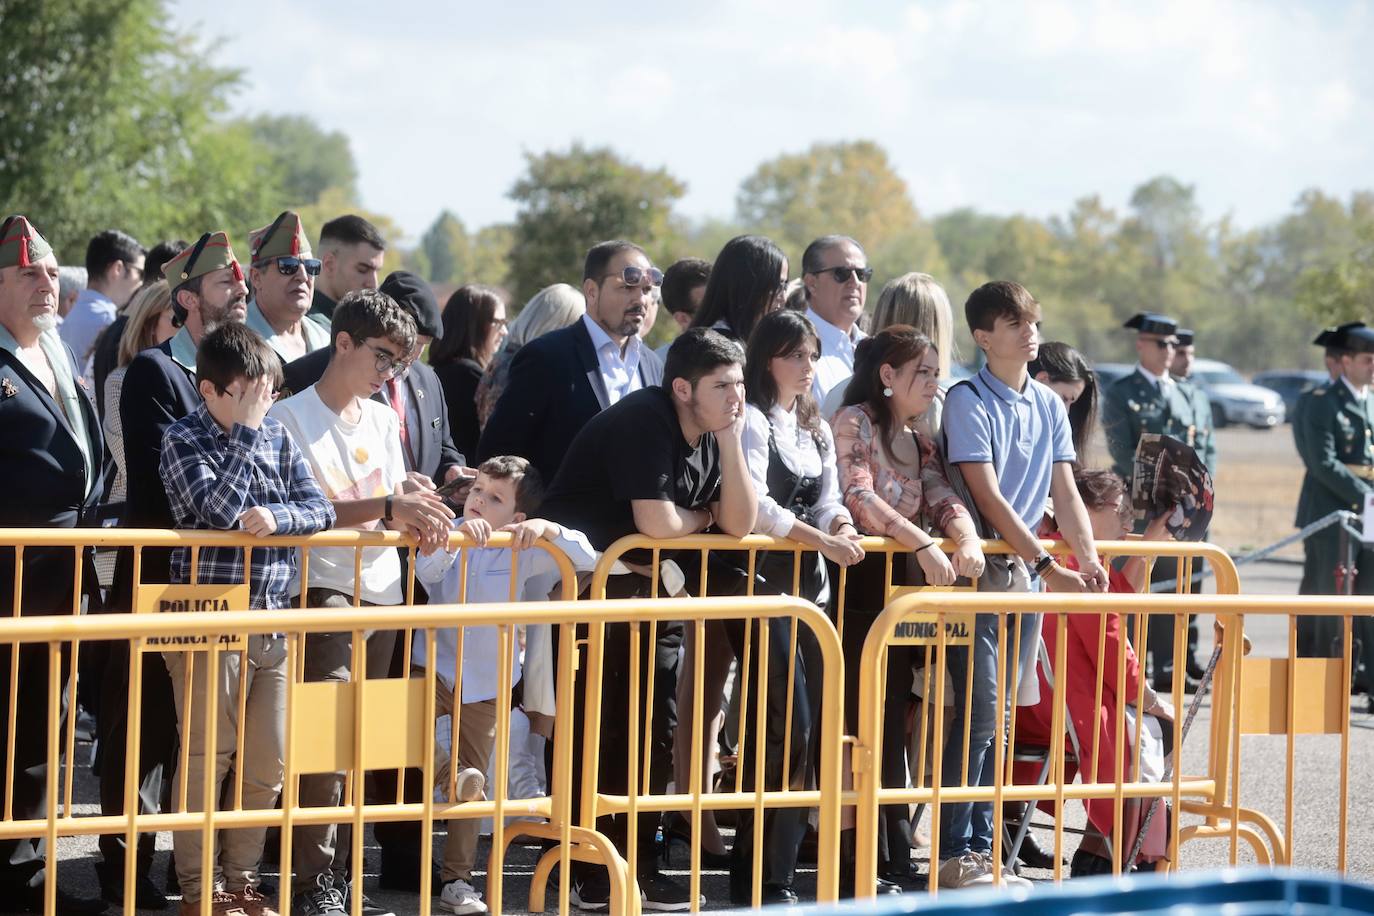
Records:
x=1315, y=783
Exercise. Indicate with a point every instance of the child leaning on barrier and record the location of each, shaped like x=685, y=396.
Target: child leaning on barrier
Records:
x=502, y=498
x=1009, y=437
x=228, y=466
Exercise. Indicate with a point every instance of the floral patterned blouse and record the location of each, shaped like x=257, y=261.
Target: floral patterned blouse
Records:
x=881, y=497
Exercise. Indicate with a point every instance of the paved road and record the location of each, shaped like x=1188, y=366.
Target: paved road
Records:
x=1262, y=788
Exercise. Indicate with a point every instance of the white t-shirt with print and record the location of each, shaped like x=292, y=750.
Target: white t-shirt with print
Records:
x=350, y=461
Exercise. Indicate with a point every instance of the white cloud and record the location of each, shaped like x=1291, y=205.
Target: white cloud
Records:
x=996, y=105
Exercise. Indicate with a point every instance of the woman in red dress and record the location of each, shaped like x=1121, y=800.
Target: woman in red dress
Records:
x=1104, y=496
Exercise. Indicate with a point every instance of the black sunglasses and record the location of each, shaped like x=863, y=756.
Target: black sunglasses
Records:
x=842, y=274
x=634, y=276
x=288, y=266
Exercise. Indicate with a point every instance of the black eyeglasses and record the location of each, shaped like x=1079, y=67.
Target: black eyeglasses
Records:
x=387, y=364
x=634, y=276
x=288, y=266
x=1166, y=343
x=842, y=274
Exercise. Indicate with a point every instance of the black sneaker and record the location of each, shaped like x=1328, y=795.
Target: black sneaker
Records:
x=591, y=893
x=146, y=894
x=665, y=894
x=319, y=900
x=31, y=900
x=369, y=908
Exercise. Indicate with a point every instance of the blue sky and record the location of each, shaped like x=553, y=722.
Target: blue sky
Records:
x=1006, y=107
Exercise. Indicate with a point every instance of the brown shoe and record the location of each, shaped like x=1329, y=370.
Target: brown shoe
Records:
x=254, y=903
x=221, y=904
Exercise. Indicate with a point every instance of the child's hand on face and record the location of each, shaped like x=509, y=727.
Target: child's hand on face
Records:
x=478, y=529
x=258, y=522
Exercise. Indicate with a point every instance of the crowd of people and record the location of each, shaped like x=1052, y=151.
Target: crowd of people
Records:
x=179, y=391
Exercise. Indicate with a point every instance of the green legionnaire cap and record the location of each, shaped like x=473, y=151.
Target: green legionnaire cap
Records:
x=1185, y=337
x=1358, y=340
x=210, y=253
x=1331, y=337
x=284, y=238
x=20, y=243
x=1151, y=323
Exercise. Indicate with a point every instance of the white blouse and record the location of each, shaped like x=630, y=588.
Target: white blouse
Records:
x=798, y=451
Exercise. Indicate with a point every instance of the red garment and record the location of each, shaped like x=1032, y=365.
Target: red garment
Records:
x=1083, y=671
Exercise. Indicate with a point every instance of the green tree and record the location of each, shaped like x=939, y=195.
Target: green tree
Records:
x=568, y=201
x=1343, y=290
x=445, y=245
x=107, y=118
x=489, y=254
x=306, y=159
x=848, y=188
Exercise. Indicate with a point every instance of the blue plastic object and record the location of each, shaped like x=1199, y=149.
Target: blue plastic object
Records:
x=1249, y=892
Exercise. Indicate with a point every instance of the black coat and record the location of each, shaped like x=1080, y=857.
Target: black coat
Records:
x=555, y=387
x=431, y=450
x=460, y=379
x=47, y=486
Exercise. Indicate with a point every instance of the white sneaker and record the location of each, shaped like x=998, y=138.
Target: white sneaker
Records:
x=472, y=782
x=461, y=898
x=968, y=870
x=1009, y=876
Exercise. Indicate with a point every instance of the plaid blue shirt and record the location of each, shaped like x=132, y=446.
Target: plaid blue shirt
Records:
x=212, y=477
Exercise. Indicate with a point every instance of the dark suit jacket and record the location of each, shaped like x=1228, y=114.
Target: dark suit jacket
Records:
x=157, y=392
x=46, y=484
x=431, y=450
x=460, y=379
x=555, y=387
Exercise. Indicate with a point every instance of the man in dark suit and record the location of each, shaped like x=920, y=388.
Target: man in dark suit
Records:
x=561, y=380
x=159, y=389
x=51, y=451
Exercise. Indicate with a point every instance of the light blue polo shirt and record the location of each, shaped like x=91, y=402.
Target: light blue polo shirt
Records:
x=1021, y=433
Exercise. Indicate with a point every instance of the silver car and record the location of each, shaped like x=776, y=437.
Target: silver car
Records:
x=1234, y=400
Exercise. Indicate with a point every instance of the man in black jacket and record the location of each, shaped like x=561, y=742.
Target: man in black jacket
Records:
x=159, y=389
x=561, y=380
x=51, y=452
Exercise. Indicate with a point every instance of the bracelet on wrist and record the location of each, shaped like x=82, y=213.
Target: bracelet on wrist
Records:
x=925, y=546
x=386, y=514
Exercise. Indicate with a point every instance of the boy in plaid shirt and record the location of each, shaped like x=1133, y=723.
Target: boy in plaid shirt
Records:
x=229, y=466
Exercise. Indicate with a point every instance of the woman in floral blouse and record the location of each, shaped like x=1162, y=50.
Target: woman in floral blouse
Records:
x=893, y=484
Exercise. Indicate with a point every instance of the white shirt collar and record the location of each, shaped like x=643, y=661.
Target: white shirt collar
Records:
x=600, y=340
x=830, y=334
x=1358, y=395
x=1156, y=379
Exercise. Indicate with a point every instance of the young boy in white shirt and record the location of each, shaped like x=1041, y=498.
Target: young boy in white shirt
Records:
x=506, y=492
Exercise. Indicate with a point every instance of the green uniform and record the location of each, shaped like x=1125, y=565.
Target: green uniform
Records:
x=1336, y=438
x=1134, y=405
x=1300, y=409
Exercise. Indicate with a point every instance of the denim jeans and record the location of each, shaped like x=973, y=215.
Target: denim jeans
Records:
x=967, y=826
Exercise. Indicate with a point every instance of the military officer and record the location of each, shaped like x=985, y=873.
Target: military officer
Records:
x=283, y=281
x=1337, y=428
x=50, y=455
x=1181, y=370
x=1151, y=400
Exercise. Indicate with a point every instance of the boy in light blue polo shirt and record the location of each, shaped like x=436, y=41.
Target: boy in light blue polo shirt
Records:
x=1009, y=436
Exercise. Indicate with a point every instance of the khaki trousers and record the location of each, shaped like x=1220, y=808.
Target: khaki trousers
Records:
x=476, y=741
x=264, y=743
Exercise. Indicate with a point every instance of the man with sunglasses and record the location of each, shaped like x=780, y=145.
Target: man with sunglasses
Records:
x=835, y=274
x=159, y=389
x=1152, y=400
x=283, y=278
x=561, y=380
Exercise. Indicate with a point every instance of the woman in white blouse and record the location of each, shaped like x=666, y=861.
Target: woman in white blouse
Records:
x=791, y=457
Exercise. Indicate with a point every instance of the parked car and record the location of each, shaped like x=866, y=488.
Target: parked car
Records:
x=1110, y=372
x=1234, y=400
x=1291, y=384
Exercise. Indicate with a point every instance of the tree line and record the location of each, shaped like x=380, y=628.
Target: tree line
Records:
x=112, y=119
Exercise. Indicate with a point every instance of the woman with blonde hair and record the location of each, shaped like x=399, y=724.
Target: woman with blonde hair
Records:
x=149, y=324
x=551, y=308
x=916, y=300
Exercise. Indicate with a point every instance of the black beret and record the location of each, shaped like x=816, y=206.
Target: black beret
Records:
x=414, y=295
x=1150, y=323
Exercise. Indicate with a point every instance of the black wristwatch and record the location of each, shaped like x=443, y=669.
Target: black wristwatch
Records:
x=1043, y=563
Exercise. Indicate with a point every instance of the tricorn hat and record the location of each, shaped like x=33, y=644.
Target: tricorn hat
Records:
x=1151, y=323
x=1185, y=337
x=1333, y=337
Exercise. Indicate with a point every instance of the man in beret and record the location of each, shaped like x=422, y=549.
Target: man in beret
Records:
x=1337, y=427
x=1151, y=401
x=159, y=389
x=51, y=453
x=283, y=279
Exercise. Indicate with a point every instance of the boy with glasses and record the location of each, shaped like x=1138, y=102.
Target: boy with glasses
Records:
x=227, y=465
x=353, y=445
x=283, y=279
x=835, y=275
